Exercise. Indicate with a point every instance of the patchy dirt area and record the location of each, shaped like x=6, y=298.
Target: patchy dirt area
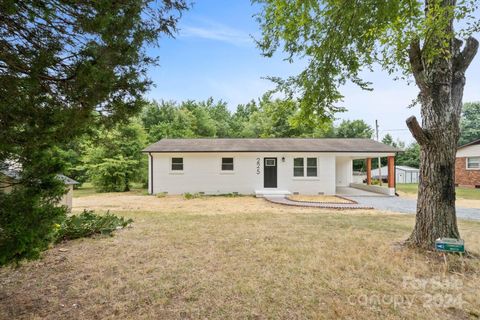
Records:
x=203, y=205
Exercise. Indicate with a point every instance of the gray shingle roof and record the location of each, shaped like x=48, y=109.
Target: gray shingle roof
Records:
x=474, y=142
x=270, y=145
x=15, y=174
x=66, y=179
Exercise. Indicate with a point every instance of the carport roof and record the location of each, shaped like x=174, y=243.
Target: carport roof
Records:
x=271, y=145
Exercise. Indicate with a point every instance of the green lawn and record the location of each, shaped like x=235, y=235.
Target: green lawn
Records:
x=462, y=193
x=87, y=189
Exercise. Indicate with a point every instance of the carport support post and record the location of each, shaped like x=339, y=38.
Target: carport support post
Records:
x=369, y=171
x=391, y=171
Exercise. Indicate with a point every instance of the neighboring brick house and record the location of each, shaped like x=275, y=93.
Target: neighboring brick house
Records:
x=467, y=165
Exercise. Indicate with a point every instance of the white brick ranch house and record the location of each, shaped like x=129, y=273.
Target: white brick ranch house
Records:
x=260, y=166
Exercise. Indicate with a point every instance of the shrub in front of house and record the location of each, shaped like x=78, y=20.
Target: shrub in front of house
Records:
x=196, y=195
x=26, y=223
x=161, y=194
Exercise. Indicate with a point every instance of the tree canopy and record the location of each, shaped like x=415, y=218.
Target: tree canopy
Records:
x=265, y=118
x=338, y=42
x=354, y=129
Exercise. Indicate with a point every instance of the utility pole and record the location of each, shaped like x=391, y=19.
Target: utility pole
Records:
x=379, y=159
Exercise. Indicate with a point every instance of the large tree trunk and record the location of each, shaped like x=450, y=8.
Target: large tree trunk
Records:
x=441, y=84
x=436, y=216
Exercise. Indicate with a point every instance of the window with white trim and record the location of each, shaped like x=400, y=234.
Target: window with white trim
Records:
x=311, y=167
x=298, y=167
x=177, y=164
x=473, y=163
x=227, y=164
x=305, y=167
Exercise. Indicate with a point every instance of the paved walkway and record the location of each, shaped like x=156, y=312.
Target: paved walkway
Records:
x=288, y=202
x=369, y=200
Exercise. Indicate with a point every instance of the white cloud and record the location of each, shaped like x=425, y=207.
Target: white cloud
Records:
x=211, y=30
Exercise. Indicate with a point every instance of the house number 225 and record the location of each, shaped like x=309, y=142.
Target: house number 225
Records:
x=258, y=166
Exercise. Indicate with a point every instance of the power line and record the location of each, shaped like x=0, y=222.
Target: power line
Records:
x=394, y=130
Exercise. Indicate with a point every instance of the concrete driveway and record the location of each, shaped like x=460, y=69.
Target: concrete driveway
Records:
x=406, y=205
x=396, y=204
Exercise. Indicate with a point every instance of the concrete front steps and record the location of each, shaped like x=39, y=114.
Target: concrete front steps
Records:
x=271, y=193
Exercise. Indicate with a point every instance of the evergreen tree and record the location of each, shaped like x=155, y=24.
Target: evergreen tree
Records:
x=65, y=66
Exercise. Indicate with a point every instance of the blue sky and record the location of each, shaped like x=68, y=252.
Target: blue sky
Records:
x=214, y=56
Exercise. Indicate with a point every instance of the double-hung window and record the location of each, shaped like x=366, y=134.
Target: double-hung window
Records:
x=473, y=163
x=311, y=167
x=177, y=164
x=305, y=167
x=227, y=164
x=298, y=167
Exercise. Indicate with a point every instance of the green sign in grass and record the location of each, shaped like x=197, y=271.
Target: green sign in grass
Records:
x=450, y=245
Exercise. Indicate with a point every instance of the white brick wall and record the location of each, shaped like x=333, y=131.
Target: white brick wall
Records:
x=202, y=173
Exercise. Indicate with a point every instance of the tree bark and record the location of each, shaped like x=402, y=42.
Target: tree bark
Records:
x=441, y=83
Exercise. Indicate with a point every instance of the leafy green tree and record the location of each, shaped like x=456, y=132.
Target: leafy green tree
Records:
x=114, y=159
x=221, y=116
x=354, y=129
x=59, y=62
x=470, y=123
x=279, y=117
x=388, y=139
x=266, y=118
x=187, y=119
x=276, y=118
x=167, y=120
x=70, y=156
x=410, y=157
x=203, y=124
x=241, y=117
x=410, y=39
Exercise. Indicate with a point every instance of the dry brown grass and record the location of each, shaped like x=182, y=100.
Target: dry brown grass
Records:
x=318, y=198
x=169, y=204
x=225, y=258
